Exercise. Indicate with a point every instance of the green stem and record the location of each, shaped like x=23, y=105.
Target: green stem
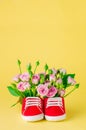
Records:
x=35, y=69
x=15, y=103
x=20, y=69
x=37, y=64
x=46, y=71
x=69, y=92
x=30, y=93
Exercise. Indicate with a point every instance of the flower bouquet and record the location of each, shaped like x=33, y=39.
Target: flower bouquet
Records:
x=42, y=94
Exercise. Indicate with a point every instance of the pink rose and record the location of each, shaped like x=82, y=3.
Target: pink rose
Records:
x=16, y=78
x=63, y=71
x=52, y=77
x=25, y=77
x=52, y=92
x=71, y=81
x=61, y=93
x=35, y=79
x=22, y=86
x=42, y=90
x=59, y=81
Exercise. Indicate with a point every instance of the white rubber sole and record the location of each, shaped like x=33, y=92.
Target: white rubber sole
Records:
x=55, y=118
x=33, y=118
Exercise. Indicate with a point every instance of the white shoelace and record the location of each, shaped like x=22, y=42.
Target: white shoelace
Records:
x=31, y=101
x=55, y=102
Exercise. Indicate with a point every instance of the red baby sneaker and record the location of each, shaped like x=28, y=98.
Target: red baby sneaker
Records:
x=32, y=109
x=54, y=109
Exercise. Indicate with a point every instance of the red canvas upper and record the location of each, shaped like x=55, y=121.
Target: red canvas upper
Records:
x=32, y=106
x=54, y=106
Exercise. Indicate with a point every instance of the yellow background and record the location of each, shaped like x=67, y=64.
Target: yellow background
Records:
x=52, y=31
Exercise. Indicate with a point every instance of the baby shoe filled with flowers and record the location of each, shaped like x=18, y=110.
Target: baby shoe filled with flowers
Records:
x=42, y=94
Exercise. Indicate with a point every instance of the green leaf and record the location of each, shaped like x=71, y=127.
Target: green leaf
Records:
x=65, y=77
x=71, y=75
x=13, y=91
x=46, y=67
x=77, y=86
x=14, y=85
